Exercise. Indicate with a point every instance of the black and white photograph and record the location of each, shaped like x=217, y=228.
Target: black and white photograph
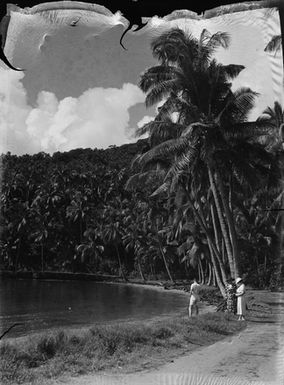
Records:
x=141, y=186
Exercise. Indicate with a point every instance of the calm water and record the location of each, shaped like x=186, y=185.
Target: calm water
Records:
x=45, y=304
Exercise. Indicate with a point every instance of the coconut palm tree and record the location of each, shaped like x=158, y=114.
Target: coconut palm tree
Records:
x=275, y=116
x=201, y=119
x=276, y=42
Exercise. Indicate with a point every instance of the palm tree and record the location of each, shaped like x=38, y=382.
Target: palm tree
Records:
x=199, y=121
x=113, y=230
x=276, y=42
x=274, y=143
x=274, y=45
x=275, y=116
x=135, y=237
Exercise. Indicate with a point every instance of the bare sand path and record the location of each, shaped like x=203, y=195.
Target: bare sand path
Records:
x=255, y=356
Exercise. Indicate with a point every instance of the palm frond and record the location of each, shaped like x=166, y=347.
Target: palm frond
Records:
x=154, y=75
x=162, y=189
x=165, y=149
x=145, y=129
x=140, y=179
x=274, y=45
x=276, y=114
x=183, y=163
x=248, y=130
x=160, y=130
x=218, y=39
x=172, y=44
x=233, y=70
x=165, y=131
x=161, y=91
x=238, y=105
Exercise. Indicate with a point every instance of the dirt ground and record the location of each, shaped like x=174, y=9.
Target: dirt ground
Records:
x=255, y=356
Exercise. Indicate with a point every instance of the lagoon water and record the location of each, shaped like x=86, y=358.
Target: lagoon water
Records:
x=41, y=304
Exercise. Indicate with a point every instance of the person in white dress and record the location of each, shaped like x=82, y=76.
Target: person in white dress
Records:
x=241, y=299
x=194, y=298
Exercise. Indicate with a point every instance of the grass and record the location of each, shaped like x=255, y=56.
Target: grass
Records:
x=119, y=348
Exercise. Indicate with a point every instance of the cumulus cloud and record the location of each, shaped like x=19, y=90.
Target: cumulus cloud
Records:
x=97, y=118
x=146, y=119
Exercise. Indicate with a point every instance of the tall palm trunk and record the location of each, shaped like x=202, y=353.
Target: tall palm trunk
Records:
x=214, y=280
x=17, y=256
x=215, y=257
x=42, y=256
x=165, y=262
x=217, y=254
x=162, y=253
x=216, y=276
x=280, y=252
x=281, y=16
x=223, y=252
x=209, y=282
x=202, y=223
x=231, y=225
x=201, y=272
x=216, y=230
x=212, y=247
x=222, y=222
x=119, y=263
x=140, y=270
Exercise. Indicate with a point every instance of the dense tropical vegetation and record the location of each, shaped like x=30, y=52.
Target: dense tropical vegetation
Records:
x=201, y=197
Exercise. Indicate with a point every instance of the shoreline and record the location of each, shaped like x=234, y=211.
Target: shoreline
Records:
x=205, y=307
x=117, y=348
x=69, y=276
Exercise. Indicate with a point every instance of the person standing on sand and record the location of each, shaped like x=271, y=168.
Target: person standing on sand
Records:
x=194, y=297
x=241, y=300
x=231, y=296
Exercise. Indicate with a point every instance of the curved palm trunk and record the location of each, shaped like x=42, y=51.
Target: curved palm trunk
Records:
x=222, y=222
x=231, y=225
x=209, y=282
x=166, y=263
x=141, y=271
x=216, y=232
x=201, y=272
x=120, y=264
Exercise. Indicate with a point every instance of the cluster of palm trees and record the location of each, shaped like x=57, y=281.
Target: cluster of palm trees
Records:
x=205, y=155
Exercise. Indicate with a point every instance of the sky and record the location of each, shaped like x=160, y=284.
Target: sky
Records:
x=80, y=88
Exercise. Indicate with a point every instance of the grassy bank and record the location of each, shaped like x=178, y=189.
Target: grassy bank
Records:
x=121, y=348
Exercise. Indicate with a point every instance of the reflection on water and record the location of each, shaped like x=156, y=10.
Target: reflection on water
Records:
x=45, y=304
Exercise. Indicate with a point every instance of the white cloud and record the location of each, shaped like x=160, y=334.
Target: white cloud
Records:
x=146, y=119
x=97, y=118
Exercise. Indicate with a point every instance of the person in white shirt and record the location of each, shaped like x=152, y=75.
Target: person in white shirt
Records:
x=241, y=300
x=194, y=298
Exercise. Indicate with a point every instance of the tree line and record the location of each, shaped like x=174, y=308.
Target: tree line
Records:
x=201, y=196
